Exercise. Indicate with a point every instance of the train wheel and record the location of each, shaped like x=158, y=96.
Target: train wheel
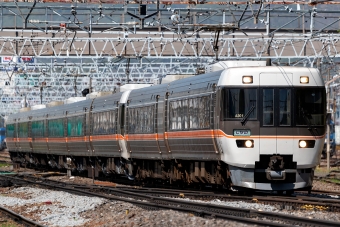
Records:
x=244, y=193
x=309, y=189
x=289, y=192
x=280, y=192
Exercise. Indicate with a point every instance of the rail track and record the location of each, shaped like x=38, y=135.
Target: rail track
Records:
x=296, y=202
x=155, y=199
x=18, y=218
x=4, y=157
x=331, y=193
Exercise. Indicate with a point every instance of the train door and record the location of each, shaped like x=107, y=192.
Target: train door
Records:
x=275, y=113
x=29, y=132
x=88, y=129
x=125, y=152
x=66, y=133
x=45, y=135
x=12, y=137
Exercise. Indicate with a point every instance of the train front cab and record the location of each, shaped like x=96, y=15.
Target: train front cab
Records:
x=273, y=130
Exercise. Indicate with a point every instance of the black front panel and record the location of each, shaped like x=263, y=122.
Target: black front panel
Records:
x=277, y=110
x=310, y=107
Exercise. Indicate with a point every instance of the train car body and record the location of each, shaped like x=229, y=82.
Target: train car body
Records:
x=243, y=127
x=3, y=139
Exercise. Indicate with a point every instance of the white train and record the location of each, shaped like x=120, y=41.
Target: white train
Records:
x=246, y=127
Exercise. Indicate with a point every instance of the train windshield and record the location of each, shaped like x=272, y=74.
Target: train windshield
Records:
x=310, y=104
x=239, y=103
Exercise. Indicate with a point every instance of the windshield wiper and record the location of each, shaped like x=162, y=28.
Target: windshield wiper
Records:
x=244, y=120
x=307, y=117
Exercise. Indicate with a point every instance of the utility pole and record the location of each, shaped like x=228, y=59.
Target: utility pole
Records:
x=41, y=88
x=329, y=114
x=328, y=122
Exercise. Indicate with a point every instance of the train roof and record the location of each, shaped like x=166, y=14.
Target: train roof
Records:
x=184, y=86
x=271, y=76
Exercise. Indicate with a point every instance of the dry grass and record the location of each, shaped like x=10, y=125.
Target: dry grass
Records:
x=323, y=170
x=334, y=164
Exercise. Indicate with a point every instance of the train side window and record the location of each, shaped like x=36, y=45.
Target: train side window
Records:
x=23, y=130
x=185, y=110
x=204, y=112
x=285, y=107
x=10, y=130
x=193, y=113
x=38, y=129
x=55, y=128
x=268, y=107
x=179, y=115
x=75, y=126
x=104, y=122
x=141, y=119
x=174, y=111
x=133, y=120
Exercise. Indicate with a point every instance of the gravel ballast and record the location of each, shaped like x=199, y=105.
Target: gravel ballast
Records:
x=57, y=208
x=54, y=208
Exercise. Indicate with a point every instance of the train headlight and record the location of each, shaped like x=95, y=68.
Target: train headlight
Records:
x=304, y=79
x=245, y=143
x=247, y=79
x=306, y=143
x=302, y=144
x=249, y=143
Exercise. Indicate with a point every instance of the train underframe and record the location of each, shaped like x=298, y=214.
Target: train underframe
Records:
x=180, y=172
x=177, y=172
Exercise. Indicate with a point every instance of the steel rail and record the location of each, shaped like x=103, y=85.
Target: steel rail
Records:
x=200, y=209
x=298, y=202
x=149, y=204
x=19, y=218
x=325, y=192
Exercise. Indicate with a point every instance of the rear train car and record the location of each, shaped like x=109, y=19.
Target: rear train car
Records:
x=242, y=127
x=3, y=138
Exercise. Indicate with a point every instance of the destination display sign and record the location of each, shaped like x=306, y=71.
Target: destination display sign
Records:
x=242, y=132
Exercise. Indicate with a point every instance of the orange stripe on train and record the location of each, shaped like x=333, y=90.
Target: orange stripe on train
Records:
x=167, y=135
